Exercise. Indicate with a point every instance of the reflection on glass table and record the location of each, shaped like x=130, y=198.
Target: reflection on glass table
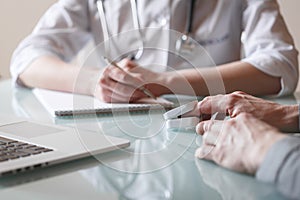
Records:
x=159, y=164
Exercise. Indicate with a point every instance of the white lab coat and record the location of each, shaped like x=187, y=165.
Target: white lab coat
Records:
x=217, y=25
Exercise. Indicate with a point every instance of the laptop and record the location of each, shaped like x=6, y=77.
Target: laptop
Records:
x=26, y=145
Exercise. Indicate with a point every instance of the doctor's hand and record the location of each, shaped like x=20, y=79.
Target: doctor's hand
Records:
x=239, y=143
x=284, y=117
x=122, y=85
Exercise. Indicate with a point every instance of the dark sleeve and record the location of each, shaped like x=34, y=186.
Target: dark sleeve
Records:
x=281, y=166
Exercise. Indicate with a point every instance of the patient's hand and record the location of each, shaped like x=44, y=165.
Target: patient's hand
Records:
x=284, y=117
x=239, y=144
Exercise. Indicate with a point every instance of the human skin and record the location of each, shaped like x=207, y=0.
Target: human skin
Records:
x=239, y=144
x=283, y=117
x=113, y=85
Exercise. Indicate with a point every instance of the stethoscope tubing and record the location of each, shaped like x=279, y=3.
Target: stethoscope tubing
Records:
x=189, y=24
x=137, y=26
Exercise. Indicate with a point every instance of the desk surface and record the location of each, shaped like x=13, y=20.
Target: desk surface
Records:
x=159, y=164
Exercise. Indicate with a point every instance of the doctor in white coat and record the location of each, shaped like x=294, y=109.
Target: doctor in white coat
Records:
x=247, y=40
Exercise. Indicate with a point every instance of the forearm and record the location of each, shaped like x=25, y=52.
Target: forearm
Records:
x=50, y=72
x=224, y=78
x=287, y=119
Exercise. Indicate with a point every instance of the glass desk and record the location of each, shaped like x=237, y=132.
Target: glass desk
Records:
x=159, y=164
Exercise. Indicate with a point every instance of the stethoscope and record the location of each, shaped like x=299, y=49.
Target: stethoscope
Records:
x=183, y=43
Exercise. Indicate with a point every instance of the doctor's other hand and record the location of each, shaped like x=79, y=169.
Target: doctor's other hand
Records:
x=239, y=143
x=283, y=117
x=122, y=85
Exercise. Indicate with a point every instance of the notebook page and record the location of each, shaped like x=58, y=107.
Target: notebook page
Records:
x=61, y=102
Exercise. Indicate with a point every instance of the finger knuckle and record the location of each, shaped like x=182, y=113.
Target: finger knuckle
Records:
x=102, y=81
x=207, y=99
x=199, y=128
x=239, y=93
x=106, y=98
x=230, y=123
x=121, y=76
x=232, y=98
x=126, y=61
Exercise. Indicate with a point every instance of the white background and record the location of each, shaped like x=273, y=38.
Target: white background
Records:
x=18, y=17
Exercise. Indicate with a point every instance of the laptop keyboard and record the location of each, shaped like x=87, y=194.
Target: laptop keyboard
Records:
x=13, y=149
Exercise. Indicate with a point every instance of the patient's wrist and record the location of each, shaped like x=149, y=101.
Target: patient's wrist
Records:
x=262, y=147
x=289, y=120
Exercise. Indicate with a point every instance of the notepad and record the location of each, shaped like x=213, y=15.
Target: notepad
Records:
x=60, y=104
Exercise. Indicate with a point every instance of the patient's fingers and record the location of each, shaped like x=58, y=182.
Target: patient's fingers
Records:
x=213, y=104
x=209, y=125
x=210, y=137
x=204, y=152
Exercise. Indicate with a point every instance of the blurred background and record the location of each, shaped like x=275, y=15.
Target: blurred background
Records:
x=17, y=19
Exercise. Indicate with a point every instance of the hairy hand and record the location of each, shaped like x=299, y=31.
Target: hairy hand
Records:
x=239, y=143
x=284, y=117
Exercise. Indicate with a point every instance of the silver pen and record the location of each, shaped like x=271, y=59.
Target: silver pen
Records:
x=142, y=88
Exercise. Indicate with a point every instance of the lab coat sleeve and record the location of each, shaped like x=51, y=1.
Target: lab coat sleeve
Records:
x=281, y=166
x=62, y=31
x=268, y=46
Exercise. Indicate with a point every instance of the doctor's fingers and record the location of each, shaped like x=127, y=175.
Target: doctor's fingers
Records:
x=127, y=64
x=209, y=125
x=122, y=76
x=133, y=67
x=120, y=89
x=112, y=97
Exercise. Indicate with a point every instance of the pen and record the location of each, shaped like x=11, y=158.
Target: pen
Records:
x=142, y=88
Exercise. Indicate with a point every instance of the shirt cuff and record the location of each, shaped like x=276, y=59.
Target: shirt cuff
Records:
x=275, y=66
x=270, y=168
